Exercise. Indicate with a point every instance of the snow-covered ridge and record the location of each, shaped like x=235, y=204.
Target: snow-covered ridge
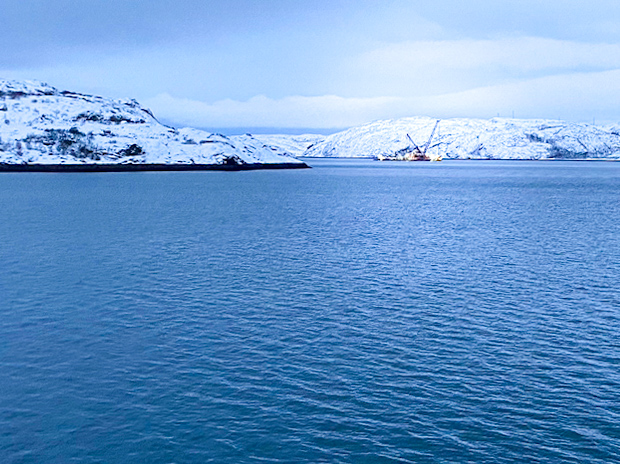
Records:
x=474, y=139
x=40, y=124
x=293, y=145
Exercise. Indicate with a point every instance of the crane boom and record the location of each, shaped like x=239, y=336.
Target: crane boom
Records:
x=415, y=147
x=428, y=142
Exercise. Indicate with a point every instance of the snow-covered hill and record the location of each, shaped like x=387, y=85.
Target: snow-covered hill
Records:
x=475, y=139
x=41, y=125
x=293, y=145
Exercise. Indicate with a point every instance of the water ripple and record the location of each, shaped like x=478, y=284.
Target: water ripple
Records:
x=350, y=313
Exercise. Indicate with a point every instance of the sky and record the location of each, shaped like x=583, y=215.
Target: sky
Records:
x=324, y=65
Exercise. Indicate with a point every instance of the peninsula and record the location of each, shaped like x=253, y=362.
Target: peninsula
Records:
x=46, y=129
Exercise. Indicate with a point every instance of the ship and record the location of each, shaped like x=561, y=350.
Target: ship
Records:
x=413, y=152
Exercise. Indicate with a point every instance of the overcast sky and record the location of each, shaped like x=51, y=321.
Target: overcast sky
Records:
x=324, y=64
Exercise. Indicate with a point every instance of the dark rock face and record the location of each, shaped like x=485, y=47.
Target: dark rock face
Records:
x=232, y=161
x=132, y=150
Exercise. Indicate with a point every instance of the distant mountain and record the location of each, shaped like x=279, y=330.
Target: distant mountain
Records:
x=41, y=125
x=291, y=145
x=465, y=139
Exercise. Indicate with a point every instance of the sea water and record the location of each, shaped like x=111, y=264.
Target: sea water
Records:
x=357, y=312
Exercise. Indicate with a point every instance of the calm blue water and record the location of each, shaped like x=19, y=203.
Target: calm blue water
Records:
x=358, y=312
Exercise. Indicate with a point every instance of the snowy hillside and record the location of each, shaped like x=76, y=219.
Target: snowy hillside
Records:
x=292, y=145
x=475, y=139
x=41, y=125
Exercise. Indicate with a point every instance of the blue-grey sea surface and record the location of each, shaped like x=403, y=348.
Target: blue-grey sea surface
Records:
x=357, y=312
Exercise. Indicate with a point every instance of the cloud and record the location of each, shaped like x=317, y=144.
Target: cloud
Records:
x=289, y=78
x=414, y=68
x=290, y=112
x=515, y=54
x=406, y=69
x=576, y=97
x=573, y=96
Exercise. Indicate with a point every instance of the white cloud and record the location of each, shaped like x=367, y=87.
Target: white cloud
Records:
x=297, y=111
x=199, y=85
x=574, y=97
x=521, y=54
x=416, y=68
x=579, y=96
x=400, y=69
